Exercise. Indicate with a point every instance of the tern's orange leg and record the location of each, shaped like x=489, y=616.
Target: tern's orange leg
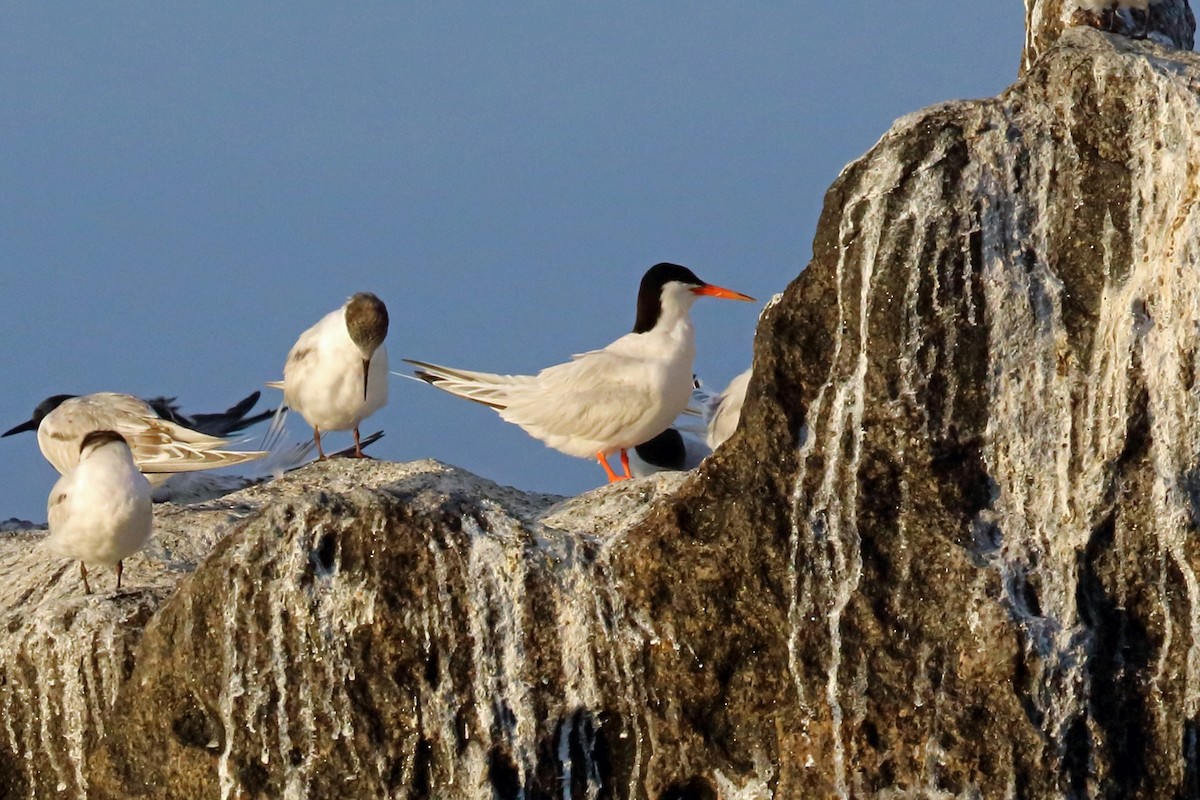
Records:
x=612, y=476
x=317, y=439
x=625, y=463
x=358, y=453
x=120, y=569
x=83, y=571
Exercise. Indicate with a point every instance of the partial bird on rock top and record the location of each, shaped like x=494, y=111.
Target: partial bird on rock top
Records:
x=723, y=411
x=223, y=423
x=199, y=487
x=99, y=511
x=159, y=447
x=673, y=450
x=680, y=447
x=1126, y=17
x=608, y=400
x=336, y=373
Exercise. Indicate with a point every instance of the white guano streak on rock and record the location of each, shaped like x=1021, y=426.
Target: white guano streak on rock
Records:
x=1033, y=23
x=755, y=787
x=442, y=705
x=261, y=677
x=496, y=591
x=836, y=500
x=831, y=513
x=626, y=639
x=1047, y=508
x=231, y=689
x=1166, y=256
x=1028, y=443
x=579, y=632
x=79, y=657
x=602, y=638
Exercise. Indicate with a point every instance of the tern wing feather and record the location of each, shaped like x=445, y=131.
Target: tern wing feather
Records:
x=129, y=416
x=158, y=446
x=589, y=401
x=487, y=388
x=231, y=420
x=155, y=451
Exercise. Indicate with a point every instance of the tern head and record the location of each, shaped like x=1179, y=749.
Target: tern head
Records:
x=670, y=286
x=367, y=324
x=40, y=413
x=96, y=439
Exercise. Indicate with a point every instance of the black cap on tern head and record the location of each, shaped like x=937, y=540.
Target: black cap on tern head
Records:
x=649, y=301
x=98, y=438
x=40, y=413
x=650, y=295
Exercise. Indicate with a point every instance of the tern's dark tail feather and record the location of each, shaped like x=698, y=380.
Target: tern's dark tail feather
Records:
x=481, y=387
x=233, y=419
x=220, y=424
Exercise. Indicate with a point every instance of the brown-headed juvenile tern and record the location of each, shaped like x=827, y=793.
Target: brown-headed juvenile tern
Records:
x=99, y=510
x=608, y=400
x=336, y=373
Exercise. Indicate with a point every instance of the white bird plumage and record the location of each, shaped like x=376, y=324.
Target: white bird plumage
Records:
x=336, y=373
x=100, y=510
x=607, y=400
x=159, y=447
x=724, y=410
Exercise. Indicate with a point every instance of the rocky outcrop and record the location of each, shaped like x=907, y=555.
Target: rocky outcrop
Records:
x=980, y=410
x=410, y=626
x=951, y=551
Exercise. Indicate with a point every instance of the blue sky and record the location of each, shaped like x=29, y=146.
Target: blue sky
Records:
x=185, y=189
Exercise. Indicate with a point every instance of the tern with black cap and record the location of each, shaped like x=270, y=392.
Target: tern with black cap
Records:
x=608, y=400
x=160, y=447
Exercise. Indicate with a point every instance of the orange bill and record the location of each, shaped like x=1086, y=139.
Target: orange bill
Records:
x=717, y=291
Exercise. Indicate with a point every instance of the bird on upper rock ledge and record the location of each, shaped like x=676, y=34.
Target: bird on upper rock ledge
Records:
x=1127, y=17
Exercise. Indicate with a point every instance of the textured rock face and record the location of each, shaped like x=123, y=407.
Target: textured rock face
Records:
x=951, y=552
x=979, y=408
x=433, y=636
